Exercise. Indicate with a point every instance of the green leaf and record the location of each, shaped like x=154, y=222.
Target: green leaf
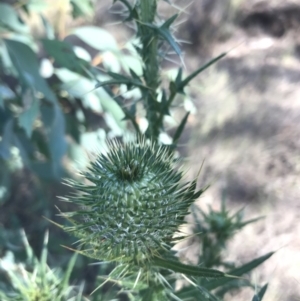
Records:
x=164, y=104
x=50, y=34
x=39, y=140
x=166, y=35
x=133, y=14
x=11, y=20
x=7, y=140
x=97, y=38
x=147, y=294
x=6, y=94
x=169, y=22
x=57, y=142
x=1, y=102
x=210, y=285
x=190, y=270
x=63, y=54
x=124, y=81
x=25, y=146
x=119, y=79
x=26, y=63
x=261, y=293
x=45, y=171
x=134, y=75
x=131, y=61
x=182, y=84
x=197, y=292
x=180, y=128
x=54, y=122
x=29, y=115
x=95, y=100
x=66, y=278
x=178, y=77
x=81, y=8
x=73, y=127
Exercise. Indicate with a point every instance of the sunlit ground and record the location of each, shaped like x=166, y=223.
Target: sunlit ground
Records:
x=247, y=131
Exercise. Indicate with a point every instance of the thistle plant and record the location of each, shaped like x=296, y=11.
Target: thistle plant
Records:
x=136, y=203
x=132, y=209
x=132, y=200
x=154, y=39
x=35, y=280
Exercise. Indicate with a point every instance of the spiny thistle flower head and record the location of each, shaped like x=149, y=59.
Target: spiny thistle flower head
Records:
x=135, y=204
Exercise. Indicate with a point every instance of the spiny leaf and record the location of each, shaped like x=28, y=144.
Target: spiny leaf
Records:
x=134, y=75
x=168, y=23
x=180, y=128
x=178, y=77
x=237, y=272
x=190, y=270
x=259, y=296
x=181, y=86
x=122, y=81
x=164, y=32
x=164, y=104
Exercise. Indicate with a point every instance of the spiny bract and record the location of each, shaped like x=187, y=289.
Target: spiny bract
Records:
x=135, y=204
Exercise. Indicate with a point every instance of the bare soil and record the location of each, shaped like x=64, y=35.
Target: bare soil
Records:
x=247, y=131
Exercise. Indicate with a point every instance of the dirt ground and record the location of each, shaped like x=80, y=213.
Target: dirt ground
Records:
x=247, y=131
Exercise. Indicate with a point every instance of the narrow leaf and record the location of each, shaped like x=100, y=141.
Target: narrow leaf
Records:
x=11, y=20
x=28, y=117
x=168, y=23
x=1, y=102
x=134, y=75
x=261, y=293
x=178, y=77
x=210, y=285
x=64, y=55
x=53, y=119
x=44, y=255
x=65, y=281
x=180, y=128
x=27, y=65
x=128, y=82
x=166, y=34
x=49, y=30
x=7, y=140
x=190, y=270
x=195, y=73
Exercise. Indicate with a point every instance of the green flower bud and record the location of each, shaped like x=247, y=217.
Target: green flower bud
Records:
x=135, y=204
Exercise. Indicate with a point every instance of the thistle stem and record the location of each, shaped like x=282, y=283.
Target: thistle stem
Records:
x=150, y=57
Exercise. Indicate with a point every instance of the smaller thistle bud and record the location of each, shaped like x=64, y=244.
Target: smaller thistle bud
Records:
x=134, y=205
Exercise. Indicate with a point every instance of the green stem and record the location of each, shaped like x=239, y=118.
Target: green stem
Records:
x=150, y=58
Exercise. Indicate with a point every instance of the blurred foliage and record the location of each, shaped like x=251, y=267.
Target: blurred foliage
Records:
x=46, y=92
x=34, y=280
x=51, y=116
